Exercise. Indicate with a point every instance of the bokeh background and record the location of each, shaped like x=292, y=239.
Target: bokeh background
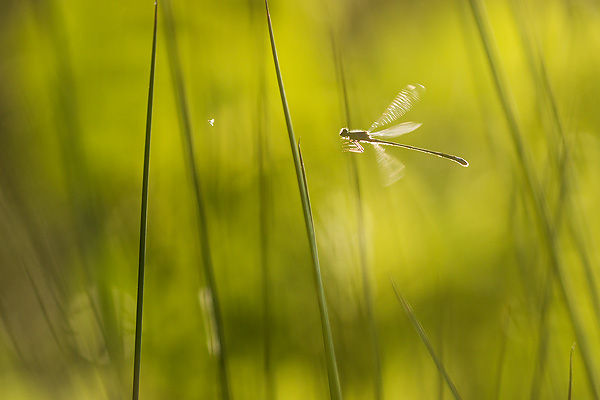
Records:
x=464, y=246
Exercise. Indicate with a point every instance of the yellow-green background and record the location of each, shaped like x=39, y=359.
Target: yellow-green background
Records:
x=461, y=244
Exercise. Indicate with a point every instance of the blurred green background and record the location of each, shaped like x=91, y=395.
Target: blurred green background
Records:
x=463, y=245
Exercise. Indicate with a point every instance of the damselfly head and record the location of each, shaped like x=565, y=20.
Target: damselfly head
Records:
x=344, y=132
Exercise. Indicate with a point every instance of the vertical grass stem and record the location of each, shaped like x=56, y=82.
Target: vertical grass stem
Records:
x=143, y=220
x=334, y=381
x=361, y=239
x=186, y=125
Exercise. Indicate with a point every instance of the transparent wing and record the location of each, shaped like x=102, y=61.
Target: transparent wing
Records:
x=399, y=106
x=352, y=146
x=397, y=130
x=391, y=169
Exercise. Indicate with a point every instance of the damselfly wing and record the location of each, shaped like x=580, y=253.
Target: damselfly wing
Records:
x=384, y=128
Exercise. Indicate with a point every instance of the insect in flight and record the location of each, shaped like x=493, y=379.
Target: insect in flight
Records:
x=392, y=168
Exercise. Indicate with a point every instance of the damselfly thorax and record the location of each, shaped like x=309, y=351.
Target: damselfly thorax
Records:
x=393, y=168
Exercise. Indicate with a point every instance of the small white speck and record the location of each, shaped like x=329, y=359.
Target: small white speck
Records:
x=211, y=122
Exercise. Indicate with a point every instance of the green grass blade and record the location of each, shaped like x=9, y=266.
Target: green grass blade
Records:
x=534, y=192
x=265, y=204
x=264, y=207
x=543, y=339
x=368, y=294
x=571, y=371
x=334, y=380
x=186, y=128
x=360, y=227
x=501, y=355
x=143, y=220
x=425, y=339
x=264, y=210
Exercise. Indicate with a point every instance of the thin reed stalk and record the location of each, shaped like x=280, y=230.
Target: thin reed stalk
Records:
x=361, y=237
x=144, y=219
x=571, y=371
x=264, y=195
x=265, y=206
x=501, y=355
x=81, y=198
x=425, y=339
x=544, y=337
x=187, y=132
x=533, y=190
x=332, y=372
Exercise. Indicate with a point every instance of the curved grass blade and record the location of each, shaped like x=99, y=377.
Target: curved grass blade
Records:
x=361, y=237
x=425, y=339
x=334, y=380
x=534, y=192
x=186, y=130
x=143, y=219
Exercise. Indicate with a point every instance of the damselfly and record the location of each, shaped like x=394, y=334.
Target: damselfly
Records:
x=392, y=168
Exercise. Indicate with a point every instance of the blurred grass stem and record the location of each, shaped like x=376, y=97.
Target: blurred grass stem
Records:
x=360, y=227
x=533, y=190
x=265, y=206
x=186, y=125
x=568, y=179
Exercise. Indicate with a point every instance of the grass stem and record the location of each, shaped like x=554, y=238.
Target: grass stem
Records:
x=425, y=339
x=334, y=380
x=571, y=371
x=186, y=125
x=144, y=219
x=361, y=237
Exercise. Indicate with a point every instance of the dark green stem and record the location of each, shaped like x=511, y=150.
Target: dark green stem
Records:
x=334, y=380
x=144, y=219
